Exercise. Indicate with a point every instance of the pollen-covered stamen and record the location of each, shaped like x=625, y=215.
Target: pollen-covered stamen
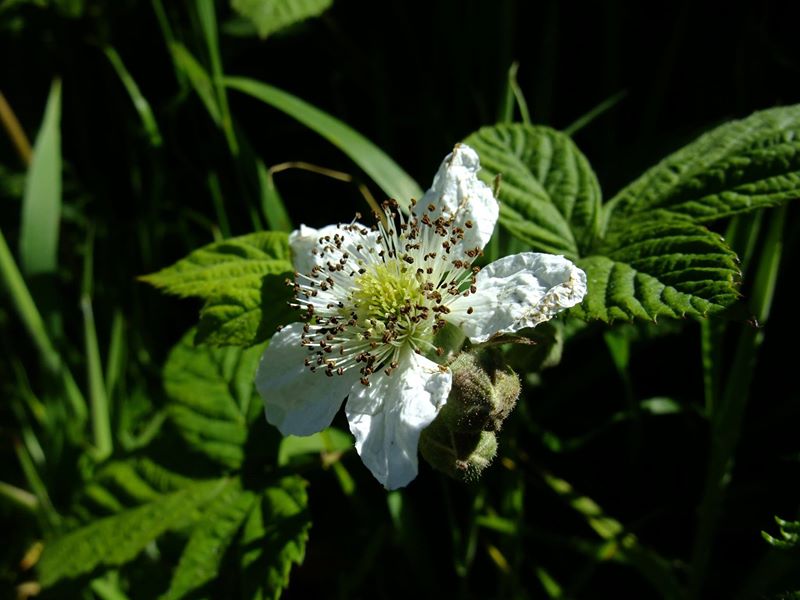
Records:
x=374, y=292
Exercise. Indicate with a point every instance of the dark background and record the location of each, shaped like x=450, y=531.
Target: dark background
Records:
x=416, y=77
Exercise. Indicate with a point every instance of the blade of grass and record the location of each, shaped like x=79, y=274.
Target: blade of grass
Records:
x=19, y=497
x=200, y=80
x=271, y=202
x=169, y=39
x=513, y=85
x=140, y=103
x=32, y=320
x=395, y=182
x=37, y=486
x=208, y=21
x=726, y=421
x=598, y=110
x=101, y=419
x=116, y=353
x=219, y=205
x=41, y=203
x=621, y=545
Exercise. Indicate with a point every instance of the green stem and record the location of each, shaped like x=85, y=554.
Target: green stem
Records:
x=727, y=418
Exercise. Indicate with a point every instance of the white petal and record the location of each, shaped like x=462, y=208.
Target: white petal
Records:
x=297, y=401
x=388, y=416
x=305, y=245
x=458, y=193
x=518, y=291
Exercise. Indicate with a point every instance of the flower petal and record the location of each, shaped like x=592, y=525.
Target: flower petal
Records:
x=521, y=290
x=296, y=400
x=457, y=192
x=388, y=416
x=307, y=249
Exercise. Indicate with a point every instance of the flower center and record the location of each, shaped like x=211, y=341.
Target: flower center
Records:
x=375, y=293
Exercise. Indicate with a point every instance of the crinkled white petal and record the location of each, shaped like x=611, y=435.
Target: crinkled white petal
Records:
x=518, y=291
x=388, y=416
x=296, y=400
x=457, y=192
x=305, y=245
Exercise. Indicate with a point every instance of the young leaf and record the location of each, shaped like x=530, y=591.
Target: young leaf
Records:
x=270, y=16
x=274, y=538
x=243, y=283
x=549, y=195
x=212, y=397
x=118, y=539
x=41, y=204
x=201, y=559
x=657, y=267
x=738, y=167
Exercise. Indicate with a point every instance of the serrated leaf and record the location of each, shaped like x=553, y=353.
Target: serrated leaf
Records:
x=270, y=16
x=118, y=539
x=658, y=268
x=549, y=195
x=738, y=167
x=202, y=557
x=212, y=397
x=274, y=538
x=330, y=440
x=243, y=282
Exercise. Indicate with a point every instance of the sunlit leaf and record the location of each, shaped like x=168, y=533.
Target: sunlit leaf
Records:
x=658, y=268
x=738, y=167
x=242, y=280
x=118, y=539
x=549, y=195
x=269, y=16
x=212, y=397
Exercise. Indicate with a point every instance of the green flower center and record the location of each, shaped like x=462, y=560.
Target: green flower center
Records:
x=390, y=302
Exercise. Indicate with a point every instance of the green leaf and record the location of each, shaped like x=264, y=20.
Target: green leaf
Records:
x=656, y=267
x=202, y=557
x=272, y=204
x=243, y=283
x=212, y=397
x=790, y=535
x=738, y=167
x=270, y=16
x=549, y=195
x=296, y=447
x=395, y=182
x=140, y=103
x=41, y=204
x=118, y=539
x=274, y=538
x=199, y=78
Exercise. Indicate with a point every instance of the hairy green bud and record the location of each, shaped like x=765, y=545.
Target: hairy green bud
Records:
x=462, y=440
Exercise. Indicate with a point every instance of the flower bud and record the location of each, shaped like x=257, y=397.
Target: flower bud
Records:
x=461, y=441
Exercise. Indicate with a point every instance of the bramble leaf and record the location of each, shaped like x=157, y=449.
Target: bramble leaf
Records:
x=549, y=195
x=274, y=538
x=270, y=16
x=212, y=397
x=738, y=167
x=242, y=281
x=655, y=267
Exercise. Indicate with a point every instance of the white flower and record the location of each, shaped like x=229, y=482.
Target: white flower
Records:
x=373, y=300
